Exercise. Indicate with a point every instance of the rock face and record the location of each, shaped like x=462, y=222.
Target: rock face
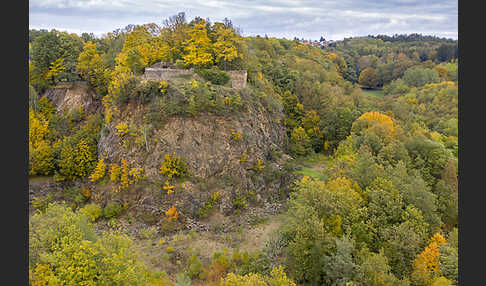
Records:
x=68, y=97
x=206, y=144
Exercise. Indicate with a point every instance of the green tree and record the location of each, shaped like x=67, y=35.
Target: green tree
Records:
x=375, y=271
x=417, y=76
x=63, y=247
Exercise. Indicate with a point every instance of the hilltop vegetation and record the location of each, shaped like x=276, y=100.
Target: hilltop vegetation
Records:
x=162, y=182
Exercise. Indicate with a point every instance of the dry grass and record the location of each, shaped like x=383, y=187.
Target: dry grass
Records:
x=255, y=238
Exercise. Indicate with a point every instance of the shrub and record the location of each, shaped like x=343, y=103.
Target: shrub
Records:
x=194, y=266
x=115, y=172
x=239, y=203
x=173, y=166
x=99, y=171
x=147, y=91
x=91, y=211
x=163, y=87
x=236, y=135
x=148, y=233
x=112, y=209
x=171, y=213
x=180, y=64
x=214, y=76
x=41, y=203
x=258, y=165
x=277, y=277
x=168, y=187
x=208, y=206
x=122, y=128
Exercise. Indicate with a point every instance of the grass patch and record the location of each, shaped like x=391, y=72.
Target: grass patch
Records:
x=312, y=165
x=373, y=92
x=311, y=173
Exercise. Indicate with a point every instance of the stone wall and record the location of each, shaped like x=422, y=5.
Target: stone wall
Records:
x=237, y=77
x=161, y=73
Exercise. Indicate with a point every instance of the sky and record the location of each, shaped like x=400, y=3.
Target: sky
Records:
x=308, y=19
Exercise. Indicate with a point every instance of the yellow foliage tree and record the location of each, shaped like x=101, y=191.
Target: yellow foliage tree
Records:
x=142, y=48
x=99, y=171
x=226, y=45
x=42, y=159
x=381, y=124
x=77, y=161
x=43, y=275
x=38, y=128
x=198, y=47
x=115, y=172
x=426, y=265
x=90, y=66
x=125, y=181
x=55, y=69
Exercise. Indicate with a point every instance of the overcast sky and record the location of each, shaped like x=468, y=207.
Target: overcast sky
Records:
x=309, y=19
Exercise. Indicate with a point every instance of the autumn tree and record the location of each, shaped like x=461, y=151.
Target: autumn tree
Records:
x=64, y=249
x=226, y=44
x=174, y=34
x=91, y=67
x=310, y=123
x=426, y=264
x=198, y=48
x=300, y=143
x=368, y=78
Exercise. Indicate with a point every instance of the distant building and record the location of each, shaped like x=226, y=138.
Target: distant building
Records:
x=322, y=43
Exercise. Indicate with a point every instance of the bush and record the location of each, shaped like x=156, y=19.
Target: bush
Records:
x=194, y=266
x=180, y=64
x=91, y=211
x=214, y=76
x=112, y=210
x=41, y=203
x=208, y=206
x=147, y=91
x=277, y=277
x=173, y=166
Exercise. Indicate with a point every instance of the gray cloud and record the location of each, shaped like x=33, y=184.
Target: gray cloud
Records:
x=333, y=19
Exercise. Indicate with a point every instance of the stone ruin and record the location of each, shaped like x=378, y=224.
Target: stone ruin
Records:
x=163, y=70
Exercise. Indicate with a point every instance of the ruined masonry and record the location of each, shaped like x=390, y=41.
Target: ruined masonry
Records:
x=161, y=71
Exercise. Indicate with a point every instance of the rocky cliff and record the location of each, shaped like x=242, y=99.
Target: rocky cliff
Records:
x=217, y=160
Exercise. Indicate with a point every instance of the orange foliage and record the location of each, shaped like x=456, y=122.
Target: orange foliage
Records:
x=426, y=265
x=172, y=213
